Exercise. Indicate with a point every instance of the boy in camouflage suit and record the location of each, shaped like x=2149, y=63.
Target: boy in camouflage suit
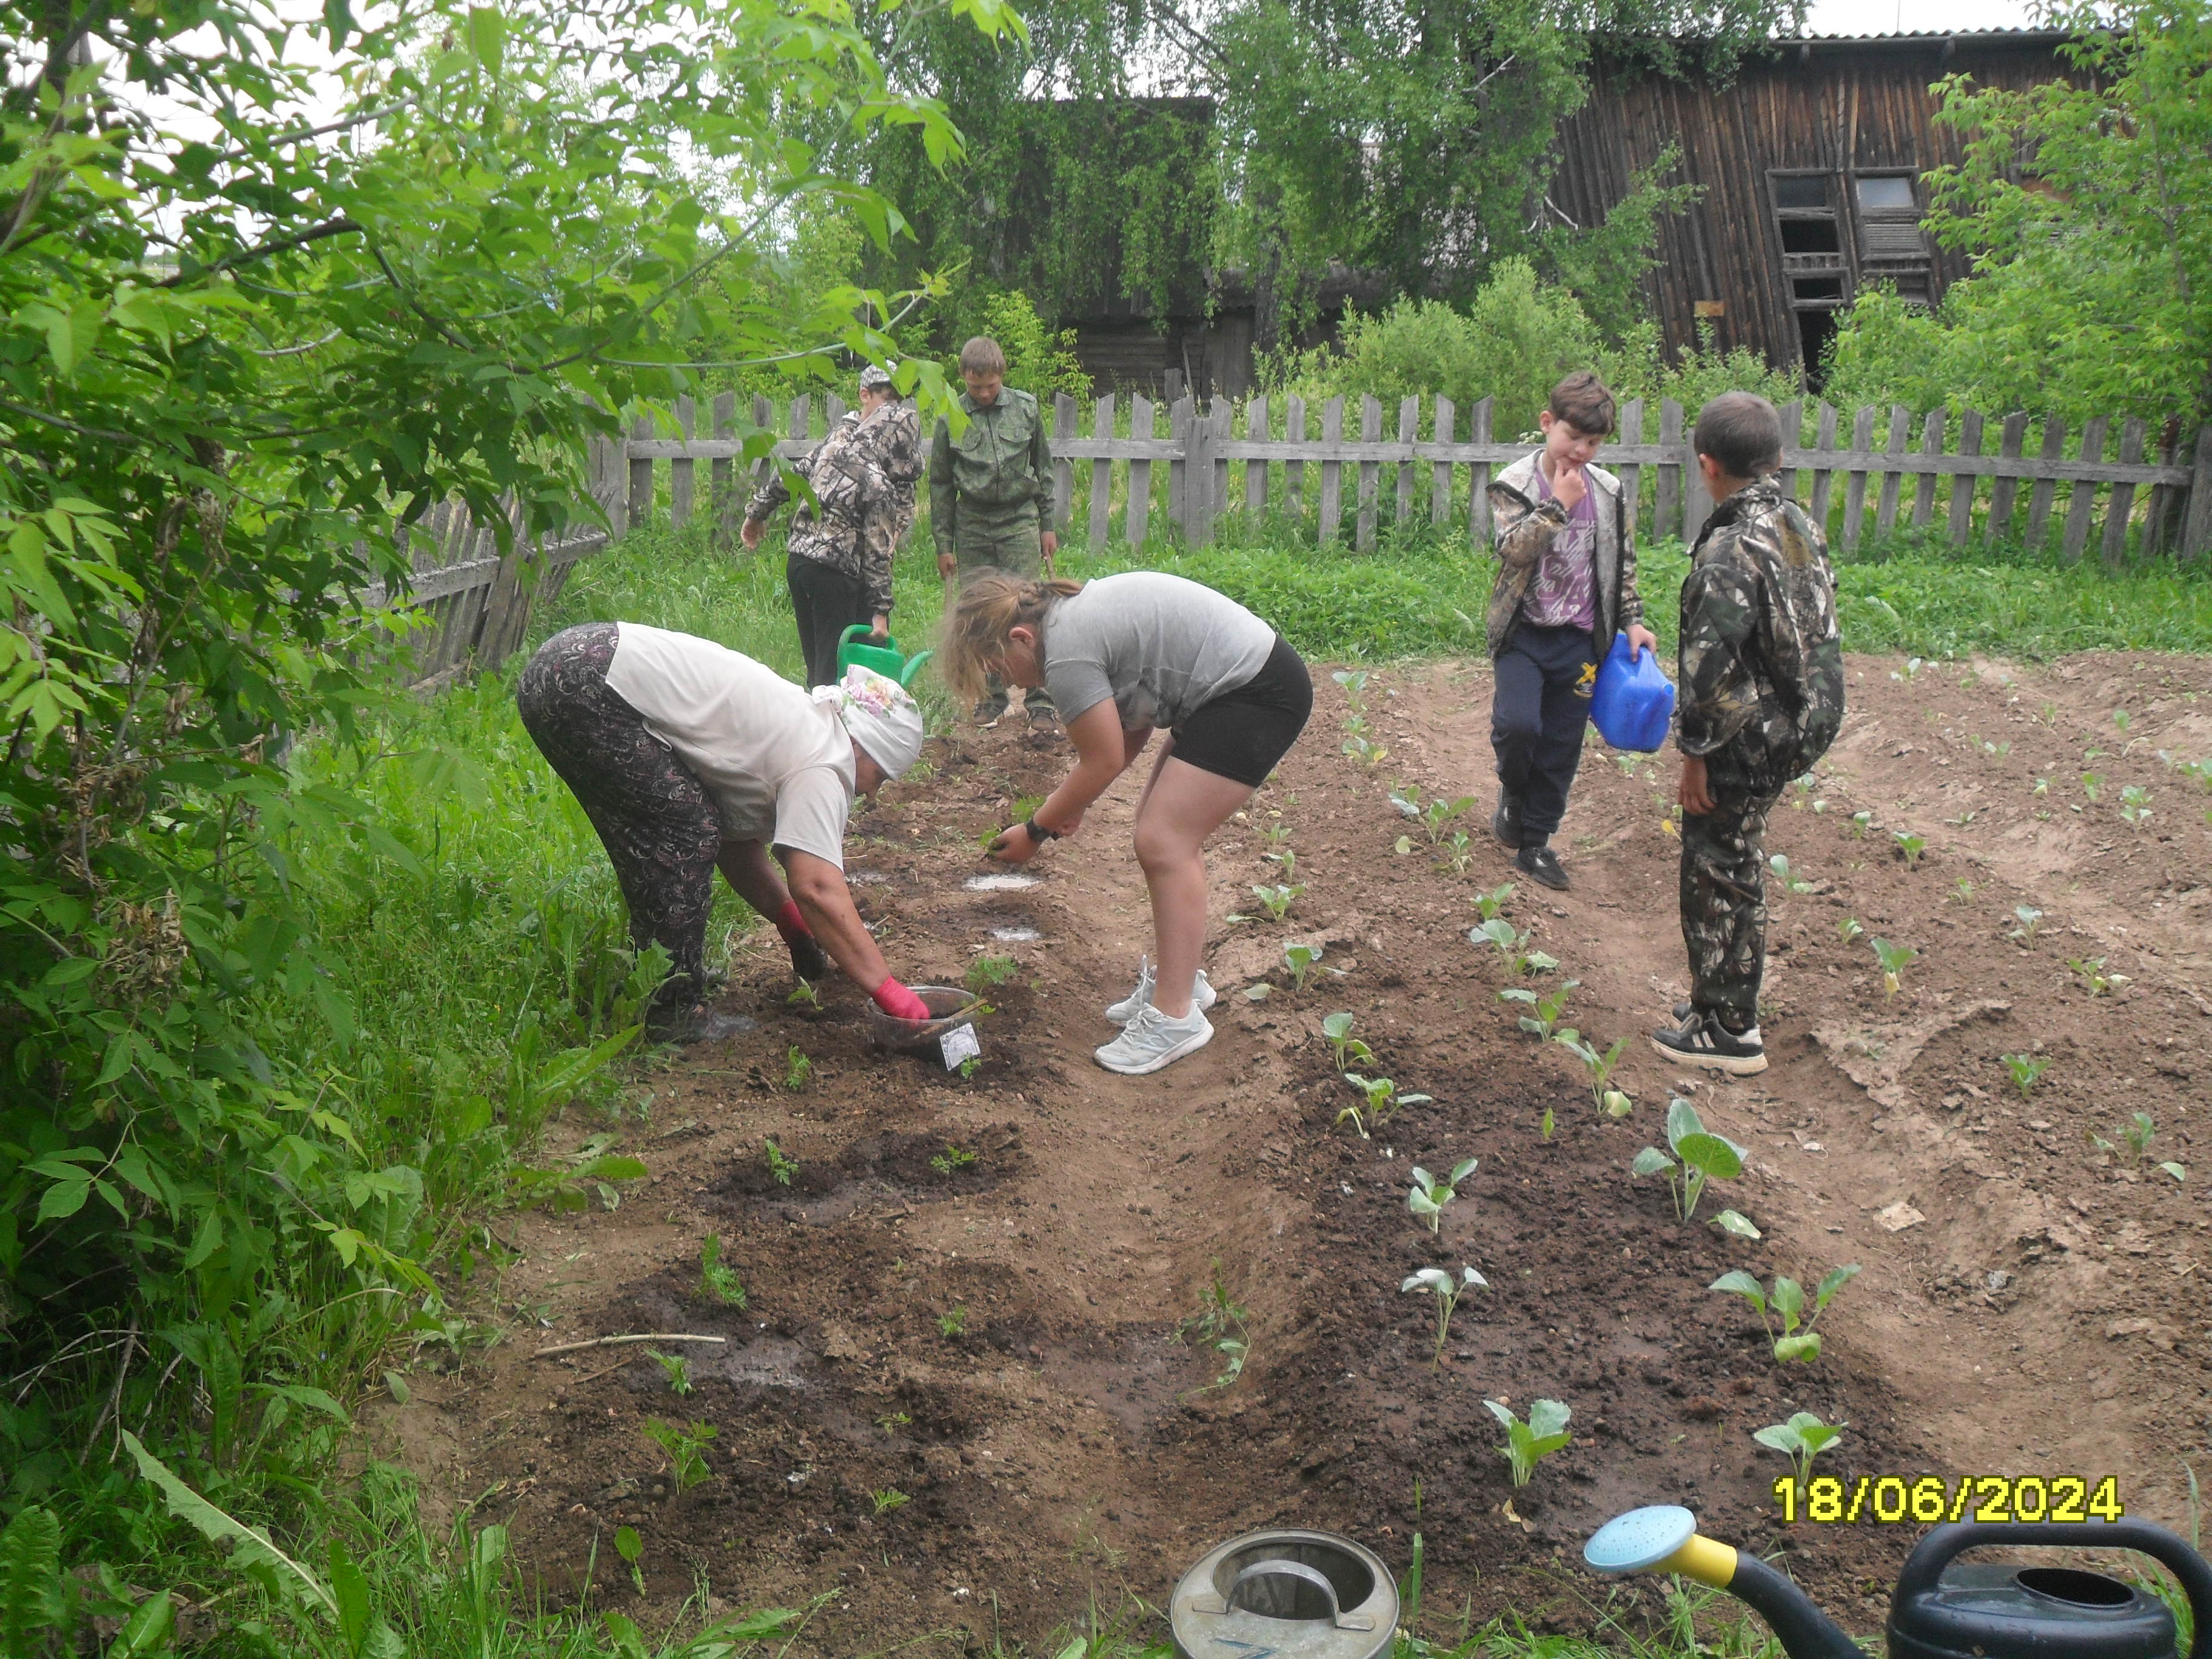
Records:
x=1761, y=673
x=990, y=493
x=838, y=568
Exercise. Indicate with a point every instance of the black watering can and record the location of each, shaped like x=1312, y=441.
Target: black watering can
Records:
x=1942, y=1609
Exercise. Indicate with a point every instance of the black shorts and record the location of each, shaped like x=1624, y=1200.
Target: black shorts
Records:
x=1241, y=734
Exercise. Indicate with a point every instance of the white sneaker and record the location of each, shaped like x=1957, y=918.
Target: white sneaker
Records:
x=1152, y=1040
x=1202, y=994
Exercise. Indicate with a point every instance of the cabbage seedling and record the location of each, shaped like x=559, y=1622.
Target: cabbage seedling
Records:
x=1512, y=948
x=1277, y=898
x=1458, y=852
x=1849, y=929
x=1703, y=1157
x=2135, y=805
x=1861, y=822
x=1894, y=960
x=1336, y=1030
x=1448, y=1291
x=1912, y=846
x=1300, y=958
x=1487, y=905
x=1429, y=1195
x=1780, y=864
x=1736, y=1225
x=1616, y=1103
x=1550, y=1008
x=1600, y=1066
x=1381, y=1105
x=2025, y=1069
x=1354, y=681
x=1787, y=1304
x=1287, y=860
x=1802, y=1439
x=1528, y=1443
x=631, y=1549
x=2091, y=970
x=1364, y=750
x=2027, y=916
x=2092, y=786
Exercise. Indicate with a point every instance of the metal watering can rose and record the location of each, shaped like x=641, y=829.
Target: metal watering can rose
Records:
x=1285, y=1593
x=1943, y=1608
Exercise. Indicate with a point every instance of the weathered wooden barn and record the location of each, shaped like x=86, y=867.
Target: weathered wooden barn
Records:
x=1811, y=161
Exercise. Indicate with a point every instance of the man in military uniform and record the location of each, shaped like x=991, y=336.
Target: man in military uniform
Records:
x=990, y=493
x=1761, y=671
x=839, y=567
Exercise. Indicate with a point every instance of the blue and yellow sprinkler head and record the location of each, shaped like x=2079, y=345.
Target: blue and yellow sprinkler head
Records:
x=1661, y=1539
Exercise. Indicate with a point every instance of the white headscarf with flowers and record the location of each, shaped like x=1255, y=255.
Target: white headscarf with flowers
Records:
x=879, y=715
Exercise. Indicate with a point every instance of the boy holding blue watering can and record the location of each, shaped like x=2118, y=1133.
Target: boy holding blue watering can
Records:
x=1565, y=587
x=1762, y=695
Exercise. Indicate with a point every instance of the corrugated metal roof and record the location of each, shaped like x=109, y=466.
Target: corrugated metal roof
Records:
x=2024, y=35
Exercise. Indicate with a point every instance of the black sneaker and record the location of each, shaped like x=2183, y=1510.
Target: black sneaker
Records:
x=1537, y=860
x=1505, y=819
x=1704, y=1041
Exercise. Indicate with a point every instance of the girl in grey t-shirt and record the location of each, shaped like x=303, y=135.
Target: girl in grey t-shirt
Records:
x=1121, y=656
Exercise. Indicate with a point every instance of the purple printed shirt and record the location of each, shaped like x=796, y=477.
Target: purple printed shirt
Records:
x=1565, y=592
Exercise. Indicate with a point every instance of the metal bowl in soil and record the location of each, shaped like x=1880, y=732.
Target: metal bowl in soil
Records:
x=948, y=1004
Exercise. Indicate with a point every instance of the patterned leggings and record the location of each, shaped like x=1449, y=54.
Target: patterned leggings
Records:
x=1723, y=889
x=660, y=830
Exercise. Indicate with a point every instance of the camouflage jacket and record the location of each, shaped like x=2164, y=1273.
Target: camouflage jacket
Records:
x=1760, y=660
x=1001, y=463
x=893, y=440
x=855, y=528
x=1527, y=520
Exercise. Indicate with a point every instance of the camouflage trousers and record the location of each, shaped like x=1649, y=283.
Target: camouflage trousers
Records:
x=661, y=833
x=1012, y=540
x=1724, y=906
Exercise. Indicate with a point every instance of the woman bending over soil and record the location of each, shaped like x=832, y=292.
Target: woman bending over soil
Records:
x=1121, y=656
x=686, y=756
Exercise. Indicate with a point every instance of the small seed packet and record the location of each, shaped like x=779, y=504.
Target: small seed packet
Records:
x=959, y=1044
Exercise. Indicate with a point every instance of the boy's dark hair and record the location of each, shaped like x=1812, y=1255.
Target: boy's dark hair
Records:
x=1583, y=402
x=1742, y=433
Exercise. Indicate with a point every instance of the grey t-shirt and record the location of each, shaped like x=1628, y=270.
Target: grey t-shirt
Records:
x=1160, y=646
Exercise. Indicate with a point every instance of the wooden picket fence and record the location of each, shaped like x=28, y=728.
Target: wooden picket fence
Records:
x=1221, y=459
x=473, y=603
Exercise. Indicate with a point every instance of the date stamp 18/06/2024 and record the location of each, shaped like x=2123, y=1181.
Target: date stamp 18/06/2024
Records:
x=1924, y=1499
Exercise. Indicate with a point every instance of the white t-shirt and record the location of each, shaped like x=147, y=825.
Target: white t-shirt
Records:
x=777, y=764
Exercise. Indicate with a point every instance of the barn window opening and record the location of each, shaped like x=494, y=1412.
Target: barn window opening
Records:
x=1892, y=194
x=1815, y=329
x=1817, y=287
x=1810, y=236
x=1801, y=191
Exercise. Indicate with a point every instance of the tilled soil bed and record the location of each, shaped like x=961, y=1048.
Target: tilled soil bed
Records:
x=963, y=1395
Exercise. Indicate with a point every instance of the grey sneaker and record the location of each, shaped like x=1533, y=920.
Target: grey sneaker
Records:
x=1704, y=1041
x=1201, y=995
x=1152, y=1040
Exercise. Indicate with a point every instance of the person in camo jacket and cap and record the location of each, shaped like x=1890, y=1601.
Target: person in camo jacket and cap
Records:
x=990, y=493
x=839, y=564
x=1761, y=666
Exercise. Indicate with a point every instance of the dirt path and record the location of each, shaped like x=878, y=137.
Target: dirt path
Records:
x=1051, y=1451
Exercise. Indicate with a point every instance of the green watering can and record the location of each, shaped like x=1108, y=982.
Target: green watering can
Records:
x=883, y=659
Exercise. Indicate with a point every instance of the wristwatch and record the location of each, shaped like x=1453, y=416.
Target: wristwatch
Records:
x=1039, y=834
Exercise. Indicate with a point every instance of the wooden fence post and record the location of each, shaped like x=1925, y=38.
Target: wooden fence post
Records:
x=1961, y=526
x=1219, y=433
x=2159, y=509
x=1824, y=442
x=1631, y=473
x=1332, y=472
x=2081, y=496
x=1666, y=518
x=1900, y=428
x=1294, y=472
x=640, y=477
x=763, y=414
x=1255, y=473
x=1409, y=433
x=1923, y=489
x=1854, y=486
x=722, y=477
x=1793, y=437
x=1440, y=473
x=1179, y=416
x=1102, y=472
x=2046, y=489
x=2004, y=492
x=2124, y=495
x=1063, y=472
x=1370, y=432
x=1478, y=479
x=683, y=479
x=1137, y=520
x=802, y=412
x=2197, y=520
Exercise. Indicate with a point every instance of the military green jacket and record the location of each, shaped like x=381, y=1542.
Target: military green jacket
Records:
x=1001, y=463
x=1759, y=658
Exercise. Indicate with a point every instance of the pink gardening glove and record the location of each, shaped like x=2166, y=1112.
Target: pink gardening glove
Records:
x=895, y=1000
